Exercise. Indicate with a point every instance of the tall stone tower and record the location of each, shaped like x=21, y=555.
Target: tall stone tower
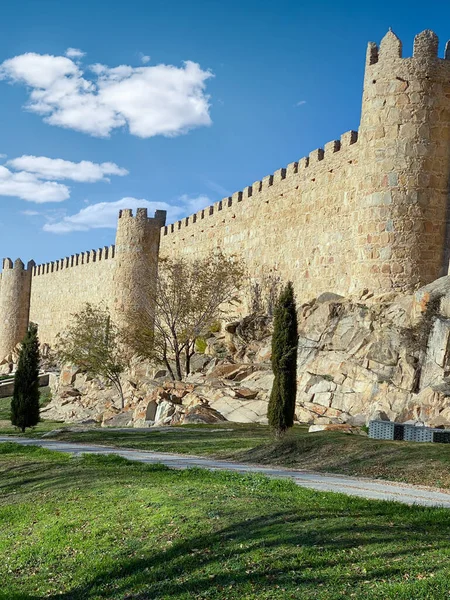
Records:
x=137, y=250
x=15, y=289
x=401, y=221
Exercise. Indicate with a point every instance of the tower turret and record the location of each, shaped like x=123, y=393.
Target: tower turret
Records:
x=137, y=251
x=15, y=290
x=404, y=138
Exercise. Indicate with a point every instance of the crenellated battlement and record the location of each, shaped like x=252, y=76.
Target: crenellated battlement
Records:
x=366, y=211
x=426, y=48
x=142, y=216
x=18, y=265
x=75, y=260
x=329, y=152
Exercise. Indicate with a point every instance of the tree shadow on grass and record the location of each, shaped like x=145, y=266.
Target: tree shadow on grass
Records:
x=13, y=596
x=26, y=477
x=80, y=472
x=284, y=548
x=326, y=541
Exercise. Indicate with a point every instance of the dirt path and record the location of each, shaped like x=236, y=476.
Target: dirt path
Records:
x=353, y=486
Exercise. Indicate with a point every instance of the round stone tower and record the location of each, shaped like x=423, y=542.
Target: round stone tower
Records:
x=401, y=214
x=137, y=251
x=15, y=290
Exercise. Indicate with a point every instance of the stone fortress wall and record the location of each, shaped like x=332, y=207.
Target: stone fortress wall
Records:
x=59, y=288
x=368, y=211
x=15, y=289
x=50, y=293
x=296, y=224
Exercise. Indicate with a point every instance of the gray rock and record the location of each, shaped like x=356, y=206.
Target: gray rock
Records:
x=203, y=414
x=160, y=373
x=377, y=415
x=152, y=408
x=165, y=409
x=329, y=297
x=357, y=420
x=120, y=420
x=199, y=362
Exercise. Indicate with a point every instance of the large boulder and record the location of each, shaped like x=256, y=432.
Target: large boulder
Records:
x=202, y=414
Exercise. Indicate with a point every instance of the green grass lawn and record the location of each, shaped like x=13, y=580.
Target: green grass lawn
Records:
x=104, y=528
x=203, y=440
x=425, y=464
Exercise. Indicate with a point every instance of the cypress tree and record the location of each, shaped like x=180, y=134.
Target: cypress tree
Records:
x=25, y=401
x=281, y=408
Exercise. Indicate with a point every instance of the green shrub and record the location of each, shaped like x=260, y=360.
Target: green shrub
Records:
x=25, y=402
x=200, y=345
x=284, y=363
x=215, y=327
x=46, y=397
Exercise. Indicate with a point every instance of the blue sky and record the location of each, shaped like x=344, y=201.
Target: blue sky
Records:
x=210, y=97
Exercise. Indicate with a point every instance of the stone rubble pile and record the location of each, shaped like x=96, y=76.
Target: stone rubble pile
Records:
x=231, y=381
x=375, y=357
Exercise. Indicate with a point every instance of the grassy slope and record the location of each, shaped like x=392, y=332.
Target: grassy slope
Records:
x=417, y=463
x=102, y=528
x=426, y=464
x=5, y=404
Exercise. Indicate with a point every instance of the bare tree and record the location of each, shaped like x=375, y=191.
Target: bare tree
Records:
x=264, y=293
x=92, y=342
x=189, y=296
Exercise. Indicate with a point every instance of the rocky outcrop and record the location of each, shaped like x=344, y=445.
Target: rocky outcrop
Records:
x=376, y=357
x=222, y=391
x=387, y=355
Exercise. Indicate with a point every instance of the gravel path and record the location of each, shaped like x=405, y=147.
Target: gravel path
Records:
x=353, y=486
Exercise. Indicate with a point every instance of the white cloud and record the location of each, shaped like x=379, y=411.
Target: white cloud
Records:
x=30, y=213
x=145, y=59
x=192, y=204
x=3, y=156
x=74, y=53
x=157, y=100
x=40, y=71
x=105, y=214
x=101, y=215
x=28, y=187
x=300, y=103
x=57, y=168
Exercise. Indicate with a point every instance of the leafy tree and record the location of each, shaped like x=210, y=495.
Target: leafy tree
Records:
x=93, y=343
x=284, y=363
x=189, y=297
x=25, y=401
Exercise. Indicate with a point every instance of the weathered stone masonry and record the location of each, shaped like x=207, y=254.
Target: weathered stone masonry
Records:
x=367, y=211
x=48, y=294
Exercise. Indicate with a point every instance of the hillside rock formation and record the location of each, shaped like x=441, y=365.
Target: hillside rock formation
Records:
x=374, y=357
